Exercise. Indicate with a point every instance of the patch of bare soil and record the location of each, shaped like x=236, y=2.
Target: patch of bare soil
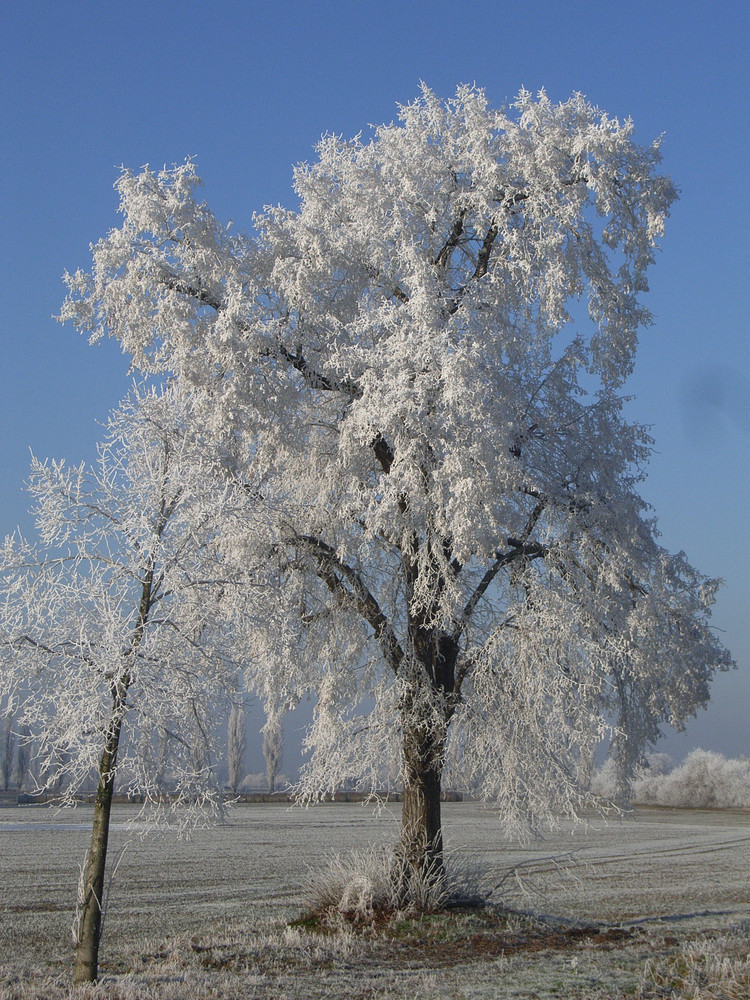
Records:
x=461, y=935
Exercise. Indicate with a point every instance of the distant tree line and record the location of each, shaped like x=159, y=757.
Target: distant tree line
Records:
x=21, y=766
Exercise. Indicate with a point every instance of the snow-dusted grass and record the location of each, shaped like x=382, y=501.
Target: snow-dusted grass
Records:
x=208, y=918
x=707, y=968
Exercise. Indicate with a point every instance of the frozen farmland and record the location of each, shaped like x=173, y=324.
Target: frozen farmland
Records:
x=652, y=906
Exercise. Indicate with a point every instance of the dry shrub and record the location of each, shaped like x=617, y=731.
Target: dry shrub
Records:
x=361, y=885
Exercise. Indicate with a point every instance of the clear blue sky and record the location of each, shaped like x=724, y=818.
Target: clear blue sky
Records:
x=248, y=86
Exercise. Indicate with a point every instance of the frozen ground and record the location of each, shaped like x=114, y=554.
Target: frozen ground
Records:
x=208, y=917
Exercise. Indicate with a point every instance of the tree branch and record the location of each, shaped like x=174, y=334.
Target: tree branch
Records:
x=452, y=242
x=315, y=379
x=383, y=453
x=519, y=548
x=329, y=565
x=483, y=263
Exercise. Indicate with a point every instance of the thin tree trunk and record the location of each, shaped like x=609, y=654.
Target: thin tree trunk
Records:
x=92, y=898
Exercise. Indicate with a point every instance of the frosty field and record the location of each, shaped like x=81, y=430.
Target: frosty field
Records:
x=664, y=896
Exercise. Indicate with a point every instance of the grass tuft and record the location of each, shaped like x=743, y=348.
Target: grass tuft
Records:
x=370, y=886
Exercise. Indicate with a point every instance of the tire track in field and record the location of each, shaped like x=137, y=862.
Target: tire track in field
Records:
x=631, y=857
x=680, y=850
x=636, y=863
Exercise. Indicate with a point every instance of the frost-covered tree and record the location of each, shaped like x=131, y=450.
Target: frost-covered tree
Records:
x=423, y=365
x=273, y=747
x=9, y=750
x=236, y=743
x=23, y=757
x=112, y=627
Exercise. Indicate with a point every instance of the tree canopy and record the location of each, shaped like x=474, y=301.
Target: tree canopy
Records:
x=417, y=375
x=117, y=605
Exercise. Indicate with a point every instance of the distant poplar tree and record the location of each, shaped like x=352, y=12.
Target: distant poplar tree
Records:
x=236, y=744
x=9, y=749
x=273, y=747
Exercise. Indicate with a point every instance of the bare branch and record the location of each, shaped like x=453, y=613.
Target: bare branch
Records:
x=519, y=549
x=452, y=242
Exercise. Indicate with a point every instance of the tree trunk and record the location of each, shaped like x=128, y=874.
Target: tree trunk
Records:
x=424, y=742
x=92, y=901
x=92, y=897
x=421, y=846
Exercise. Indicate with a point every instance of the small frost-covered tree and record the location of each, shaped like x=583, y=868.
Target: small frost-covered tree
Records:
x=112, y=627
x=422, y=364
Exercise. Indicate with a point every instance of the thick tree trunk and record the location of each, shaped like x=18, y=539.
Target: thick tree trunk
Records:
x=421, y=845
x=424, y=743
x=92, y=898
x=421, y=827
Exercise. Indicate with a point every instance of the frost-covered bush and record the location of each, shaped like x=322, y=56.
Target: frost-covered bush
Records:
x=604, y=781
x=259, y=783
x=658, y=764
x=704, y=780
x=252, y=783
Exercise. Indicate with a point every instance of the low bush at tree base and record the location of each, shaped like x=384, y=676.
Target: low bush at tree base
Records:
x=375, y=885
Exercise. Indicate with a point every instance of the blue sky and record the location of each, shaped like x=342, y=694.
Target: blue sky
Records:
x=248, y=86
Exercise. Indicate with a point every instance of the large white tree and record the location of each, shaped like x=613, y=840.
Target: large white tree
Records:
x=423, y=365
x=115, y=652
